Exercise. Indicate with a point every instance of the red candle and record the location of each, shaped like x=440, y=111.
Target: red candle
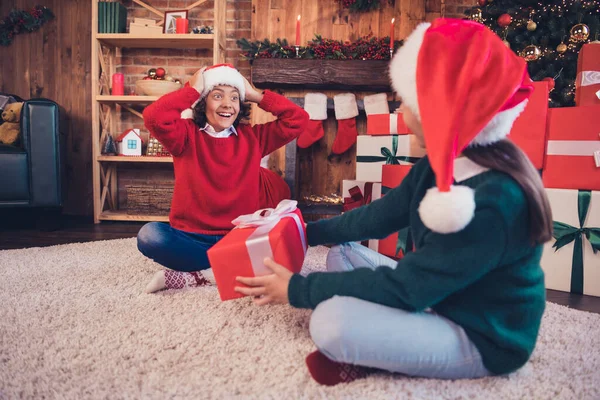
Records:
x=118, y=84
x=392, y=34
x=298, y=31
x=181, y=25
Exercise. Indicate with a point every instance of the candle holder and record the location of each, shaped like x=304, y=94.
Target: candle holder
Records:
x=297, y=51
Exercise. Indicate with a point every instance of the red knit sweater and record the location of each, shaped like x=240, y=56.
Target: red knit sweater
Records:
x=217, y=179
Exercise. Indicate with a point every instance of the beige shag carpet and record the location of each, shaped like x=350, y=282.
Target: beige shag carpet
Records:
x=75, y=323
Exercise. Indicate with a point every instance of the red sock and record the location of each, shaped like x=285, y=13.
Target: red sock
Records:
x=345, y=137
x=329, y=373
x=313, y=133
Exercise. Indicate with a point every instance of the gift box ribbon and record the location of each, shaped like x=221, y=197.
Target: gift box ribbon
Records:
x=565, y=234
x=588, y=78
x=357, y=198
x=388, y=156
x=582, y=148
x=264, y=220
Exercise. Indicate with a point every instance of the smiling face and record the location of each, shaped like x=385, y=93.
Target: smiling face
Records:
x=222, y=107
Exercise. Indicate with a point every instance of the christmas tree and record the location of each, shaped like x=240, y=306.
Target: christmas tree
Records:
x=548, y=34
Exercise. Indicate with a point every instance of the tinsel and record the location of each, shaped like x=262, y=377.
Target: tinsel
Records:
x=19, y=21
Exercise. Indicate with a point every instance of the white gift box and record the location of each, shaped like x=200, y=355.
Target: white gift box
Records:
x=560, y=268
x=372, y=152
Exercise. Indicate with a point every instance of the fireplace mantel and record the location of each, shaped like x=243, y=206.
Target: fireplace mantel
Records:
x=351, y=75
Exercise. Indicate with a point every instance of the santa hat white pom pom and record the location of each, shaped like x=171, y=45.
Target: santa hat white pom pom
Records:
x=447, y=212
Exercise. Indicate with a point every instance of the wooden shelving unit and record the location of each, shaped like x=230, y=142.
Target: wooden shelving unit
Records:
x=105, y=48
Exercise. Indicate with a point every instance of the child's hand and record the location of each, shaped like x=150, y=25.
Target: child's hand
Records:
x=269, y=288
x=251, y=93
x=197, y=80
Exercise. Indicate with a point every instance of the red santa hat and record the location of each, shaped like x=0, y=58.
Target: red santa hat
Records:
x=218, y=74
x=466, y=88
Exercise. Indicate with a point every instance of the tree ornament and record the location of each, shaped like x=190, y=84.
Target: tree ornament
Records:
x=160, y=72
x=482, y=3
x=531, y=53
x=109, y=147
x=531, y=25
x=561, y=48
x=504, y=20
x=580, y=33
x=152, y=73
x=476, y=14
x=550, y=81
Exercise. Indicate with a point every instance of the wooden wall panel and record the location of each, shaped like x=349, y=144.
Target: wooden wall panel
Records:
x=54, y=62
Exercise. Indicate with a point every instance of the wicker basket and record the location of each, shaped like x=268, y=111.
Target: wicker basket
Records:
x=149, y=199
x=153, y=87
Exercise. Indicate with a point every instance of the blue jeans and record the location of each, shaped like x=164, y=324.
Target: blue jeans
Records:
x=175, y=249
x=354, y=331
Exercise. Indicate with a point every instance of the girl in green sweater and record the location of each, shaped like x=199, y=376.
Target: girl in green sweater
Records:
x=468, y=301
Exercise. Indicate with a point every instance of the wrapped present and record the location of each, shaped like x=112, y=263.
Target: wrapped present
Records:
x=530, y=129
x=571, y=262
x=359, y=193
x=277, y=233
x=386, y=124
x=397, y=244
x=587, y=84
x=573, y=149
x=372, y=152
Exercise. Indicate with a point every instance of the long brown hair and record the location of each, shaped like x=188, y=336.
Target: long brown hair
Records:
x=506, y=157
x=200, y=113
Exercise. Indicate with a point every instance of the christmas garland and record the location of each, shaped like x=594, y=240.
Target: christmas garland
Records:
x=365, y=48
x=19, y=21
x=361, y=5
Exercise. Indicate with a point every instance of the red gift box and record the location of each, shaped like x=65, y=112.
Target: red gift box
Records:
x=392, y=176
x=587, y=84
x=573, y=152
x=530, y=129
x=277, y=233
x=386, y=124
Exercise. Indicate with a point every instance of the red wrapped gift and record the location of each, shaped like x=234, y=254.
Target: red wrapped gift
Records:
x=277, y=233
x=358, y=193
x=392, y=176
x=386, y=124
x=587, y=84
x=529, y=130
x=573, y=153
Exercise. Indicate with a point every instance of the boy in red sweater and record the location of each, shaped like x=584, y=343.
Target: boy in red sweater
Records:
x=217, y=167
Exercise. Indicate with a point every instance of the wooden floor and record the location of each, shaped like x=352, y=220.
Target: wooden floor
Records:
x=22, y=231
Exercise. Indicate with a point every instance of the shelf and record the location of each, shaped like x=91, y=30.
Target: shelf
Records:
x=162, y=41
x=136, y=159
x=126, y=99
x=123, y=216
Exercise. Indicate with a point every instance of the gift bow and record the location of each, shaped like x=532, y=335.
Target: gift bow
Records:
x=357, y=198
x=388, y=156
x=565, y=234
x=264, y=220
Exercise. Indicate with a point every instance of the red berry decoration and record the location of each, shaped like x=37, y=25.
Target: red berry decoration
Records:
x=160, y=72
x=482, y=3
x=504, y=20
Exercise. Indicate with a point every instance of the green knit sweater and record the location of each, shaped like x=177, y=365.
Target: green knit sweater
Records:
x=486, y=278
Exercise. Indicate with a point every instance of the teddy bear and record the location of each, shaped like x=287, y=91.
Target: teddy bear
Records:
x=9, y=130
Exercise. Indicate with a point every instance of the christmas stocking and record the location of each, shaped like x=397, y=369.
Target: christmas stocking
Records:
x=315, y=104
x=346, y=111
x=376, y=104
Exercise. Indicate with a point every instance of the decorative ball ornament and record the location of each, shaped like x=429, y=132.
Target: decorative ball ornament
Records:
x=504, y=20
x=561, y=48
x=580, y=32
x=531, y=53
x=531, y=25
x=160, y=72
x=152, y=72
x=482, y=3
x=476, y=14
x=550, y=81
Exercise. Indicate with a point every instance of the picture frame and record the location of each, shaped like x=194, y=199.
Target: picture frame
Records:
x=169, y=25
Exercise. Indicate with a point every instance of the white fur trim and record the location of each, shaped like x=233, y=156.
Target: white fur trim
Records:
x=188, y=113
x=376, y=104
x=499, y=127
x=447, y=212
x=315, y=104
x=403, y=68
x=345, y=106
x=223, y=76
